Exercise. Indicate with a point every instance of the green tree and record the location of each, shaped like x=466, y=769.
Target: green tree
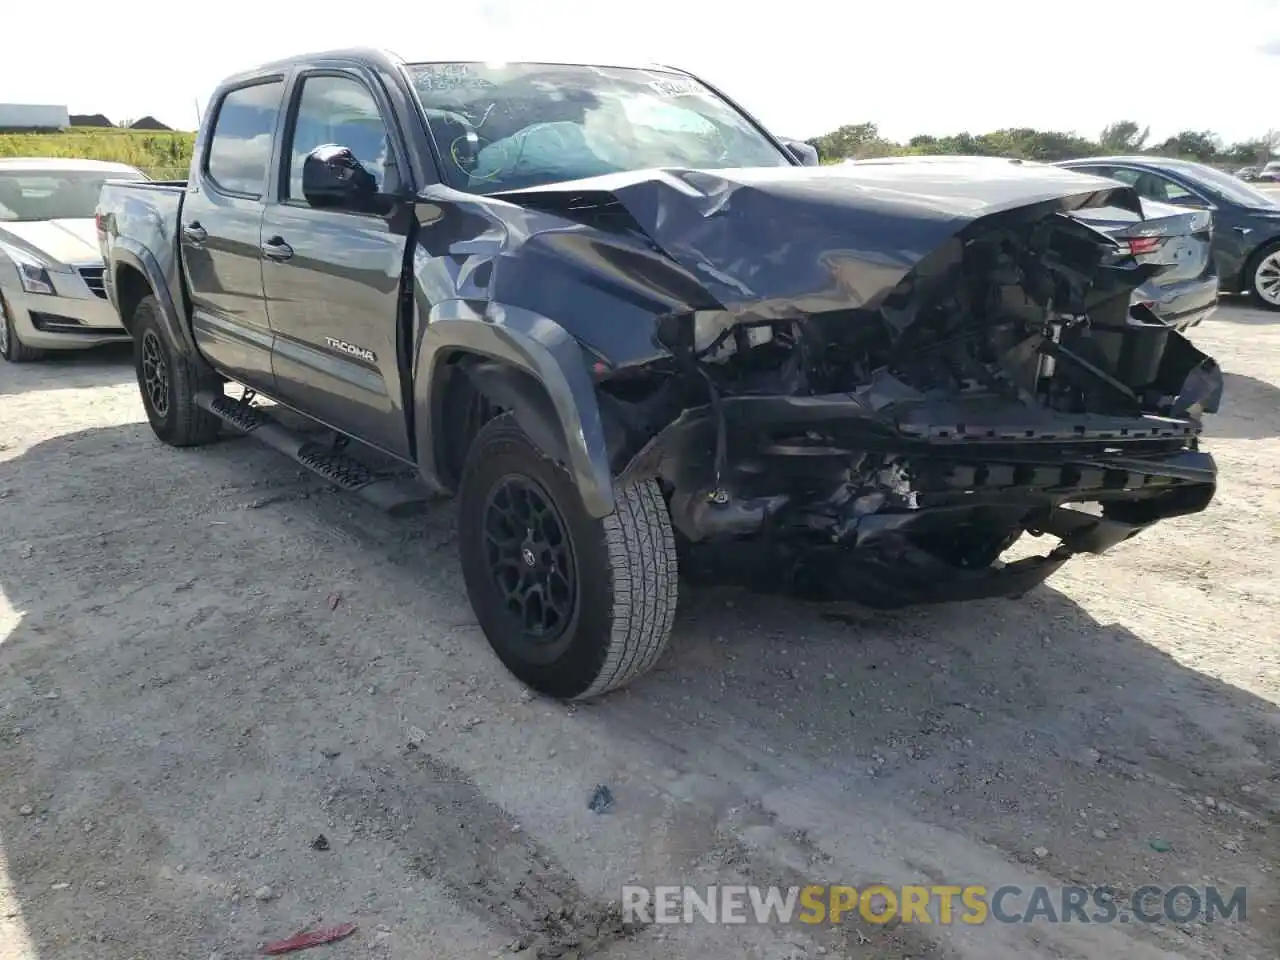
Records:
x=846, y=141
x=1271, y=143
x=960, y=143
x=1202, y=145
x=1247, y=152
x=1046, y=146
x=1123, y=136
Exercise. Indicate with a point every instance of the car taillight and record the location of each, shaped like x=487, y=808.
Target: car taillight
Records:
x=100, y=221
x=1141, y=245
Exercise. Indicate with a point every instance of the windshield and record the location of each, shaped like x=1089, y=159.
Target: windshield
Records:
x=508, y=126
x=1228, y=186
x=54, y=194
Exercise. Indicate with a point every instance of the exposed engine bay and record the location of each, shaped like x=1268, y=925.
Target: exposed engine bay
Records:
x=892, y=452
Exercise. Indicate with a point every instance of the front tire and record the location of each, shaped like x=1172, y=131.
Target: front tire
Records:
x=11, y=347
x=169, y=383
x=573, y=606
x=1263, y=277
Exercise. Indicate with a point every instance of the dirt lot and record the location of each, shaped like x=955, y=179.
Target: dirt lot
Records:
x=208, y=659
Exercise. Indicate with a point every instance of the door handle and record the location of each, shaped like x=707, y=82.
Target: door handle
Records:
x=277, y=249
x=195, y=233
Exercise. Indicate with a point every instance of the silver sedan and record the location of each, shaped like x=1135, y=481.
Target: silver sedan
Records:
x=51, y=293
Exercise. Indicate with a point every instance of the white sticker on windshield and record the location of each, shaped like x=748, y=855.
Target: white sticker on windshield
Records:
x=673, y=87
x=449, y=76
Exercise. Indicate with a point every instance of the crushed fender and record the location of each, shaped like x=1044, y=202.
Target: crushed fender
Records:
x=866, y=383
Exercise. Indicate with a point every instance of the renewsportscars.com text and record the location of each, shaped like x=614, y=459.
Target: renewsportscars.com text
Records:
x=937, y=904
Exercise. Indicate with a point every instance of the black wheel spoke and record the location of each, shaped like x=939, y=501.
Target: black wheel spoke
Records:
x=155, y=374
x=558, y=584
x=530, y=557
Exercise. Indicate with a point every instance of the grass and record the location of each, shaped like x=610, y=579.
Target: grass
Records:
x=163, y=156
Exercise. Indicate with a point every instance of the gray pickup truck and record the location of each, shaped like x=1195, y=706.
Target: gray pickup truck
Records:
x=633, y=330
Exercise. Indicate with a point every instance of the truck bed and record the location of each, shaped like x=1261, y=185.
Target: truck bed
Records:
x=148, y=212
x=148, y=184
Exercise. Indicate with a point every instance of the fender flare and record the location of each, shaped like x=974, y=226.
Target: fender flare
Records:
x=125, y=252
x=525, y=363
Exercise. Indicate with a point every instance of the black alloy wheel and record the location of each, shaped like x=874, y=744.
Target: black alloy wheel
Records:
x=532, y=562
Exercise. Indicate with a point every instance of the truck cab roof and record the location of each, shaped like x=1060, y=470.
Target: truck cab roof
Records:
x=387, y=59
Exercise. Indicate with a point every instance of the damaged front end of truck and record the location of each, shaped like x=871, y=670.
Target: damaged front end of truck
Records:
x=868, y=384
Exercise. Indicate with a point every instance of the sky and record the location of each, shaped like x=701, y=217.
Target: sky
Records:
x=803, y=67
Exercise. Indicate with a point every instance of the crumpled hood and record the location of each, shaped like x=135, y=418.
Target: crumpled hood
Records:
x=811, y=239
x=59, y=241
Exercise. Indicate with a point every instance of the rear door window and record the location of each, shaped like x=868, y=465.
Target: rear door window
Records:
x=1153, y=186
x=1125, y=175
x=1163, y=189
x=240, y=148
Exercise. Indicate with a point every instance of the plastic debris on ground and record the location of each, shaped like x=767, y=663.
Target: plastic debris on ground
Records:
x=601, y=800
x=310, y=938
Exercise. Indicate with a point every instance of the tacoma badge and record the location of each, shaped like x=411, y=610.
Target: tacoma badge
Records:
x=351, y=348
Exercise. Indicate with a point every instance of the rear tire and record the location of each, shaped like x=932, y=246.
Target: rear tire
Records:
x=609, y=586
x=1262, y=277
x=169, y=383
x=11, y=347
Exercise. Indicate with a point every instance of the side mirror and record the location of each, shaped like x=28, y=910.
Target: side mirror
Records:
x=806, y=153
x=332, y=178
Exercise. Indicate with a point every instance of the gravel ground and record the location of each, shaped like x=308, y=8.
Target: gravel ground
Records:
x=209, y=659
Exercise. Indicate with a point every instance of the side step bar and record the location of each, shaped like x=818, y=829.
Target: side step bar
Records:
x=398, y=496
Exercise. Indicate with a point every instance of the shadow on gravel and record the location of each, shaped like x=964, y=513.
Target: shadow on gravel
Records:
x=70, y=369
x=1238, y=309
x=1250, y=410
x=153, y=695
